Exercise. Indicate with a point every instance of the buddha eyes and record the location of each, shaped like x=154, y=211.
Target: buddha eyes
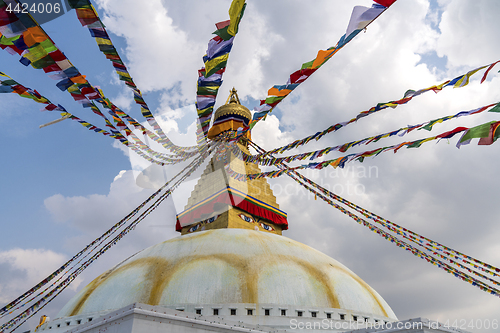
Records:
x=198, y=226
x=194, y=228
x=267, y=227
x=251, y=220
x=210, y=220
x=246, y=218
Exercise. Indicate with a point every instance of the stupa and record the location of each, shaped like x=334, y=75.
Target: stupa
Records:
x=231, y=268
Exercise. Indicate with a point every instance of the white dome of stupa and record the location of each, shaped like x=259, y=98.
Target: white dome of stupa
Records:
x=230, y=266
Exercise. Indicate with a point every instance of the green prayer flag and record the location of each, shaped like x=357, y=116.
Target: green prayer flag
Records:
x=481, y=131
x=273, y=99
x=215, y=69
x=496, y=108
x=416, y=144
x=8, y=41
x=43, y=62
x=9, y=82
x=307, y=64
x=205, y=112
x=208, y=90
x=429, y=125
x=79, y=4
x=222, y=33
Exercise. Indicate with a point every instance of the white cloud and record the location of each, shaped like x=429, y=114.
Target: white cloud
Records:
x=154, y=44
x=468, y=36
x=93, y=214
x=23, y=268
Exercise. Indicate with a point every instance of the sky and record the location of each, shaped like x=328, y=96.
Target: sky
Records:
x=63, y=186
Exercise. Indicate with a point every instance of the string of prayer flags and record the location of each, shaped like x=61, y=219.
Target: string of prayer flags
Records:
x=457, y=82
x=447, y=254
x=117, y=114
x=9, y=85
x=417, y=252
x=428, y=244
x=38, y=44
x=88, y=17
x=13, y=86
x=20, y=34
x=361, y=17
x=341, y=161
x=36, y=48
x=46, y=296
x=259, y=158
x=215, y=60
x=34, y=95
x=137, y=146
x=409, y=234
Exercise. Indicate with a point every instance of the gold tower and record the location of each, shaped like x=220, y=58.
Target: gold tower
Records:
x=220, y=201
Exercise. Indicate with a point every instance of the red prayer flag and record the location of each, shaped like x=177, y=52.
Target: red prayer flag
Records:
x=296, y=76
x=50, y=107
x=449, y=134
x=57, y=55
x=488, y=70
x=222, y=24
x=385, y=3
x=52, y=68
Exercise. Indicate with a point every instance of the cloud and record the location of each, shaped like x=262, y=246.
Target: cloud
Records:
x=467, y=34
x=93, y=214
x=21, y=269
x=152, y=41
x=24, y=267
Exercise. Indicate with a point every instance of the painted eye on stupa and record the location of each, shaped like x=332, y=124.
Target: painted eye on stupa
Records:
x=267, y=227
x=194, y=228
x=246, y=218
x=210, y=220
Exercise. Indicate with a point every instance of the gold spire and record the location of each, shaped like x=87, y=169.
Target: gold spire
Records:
x=232, y=107
x=233, y=97
x=221, y=201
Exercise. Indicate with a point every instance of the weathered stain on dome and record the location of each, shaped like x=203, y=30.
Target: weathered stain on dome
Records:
x=229, y=266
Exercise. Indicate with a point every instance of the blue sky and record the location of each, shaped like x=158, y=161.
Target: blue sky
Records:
x=63, y=185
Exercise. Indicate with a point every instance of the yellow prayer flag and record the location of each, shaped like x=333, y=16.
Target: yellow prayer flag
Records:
x=234, y=13
x=211, y=64
x=465, y=79
x=103, y=41
x=35, y=53
x=73, y=88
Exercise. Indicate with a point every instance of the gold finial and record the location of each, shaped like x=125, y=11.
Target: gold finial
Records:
x=233, y=97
